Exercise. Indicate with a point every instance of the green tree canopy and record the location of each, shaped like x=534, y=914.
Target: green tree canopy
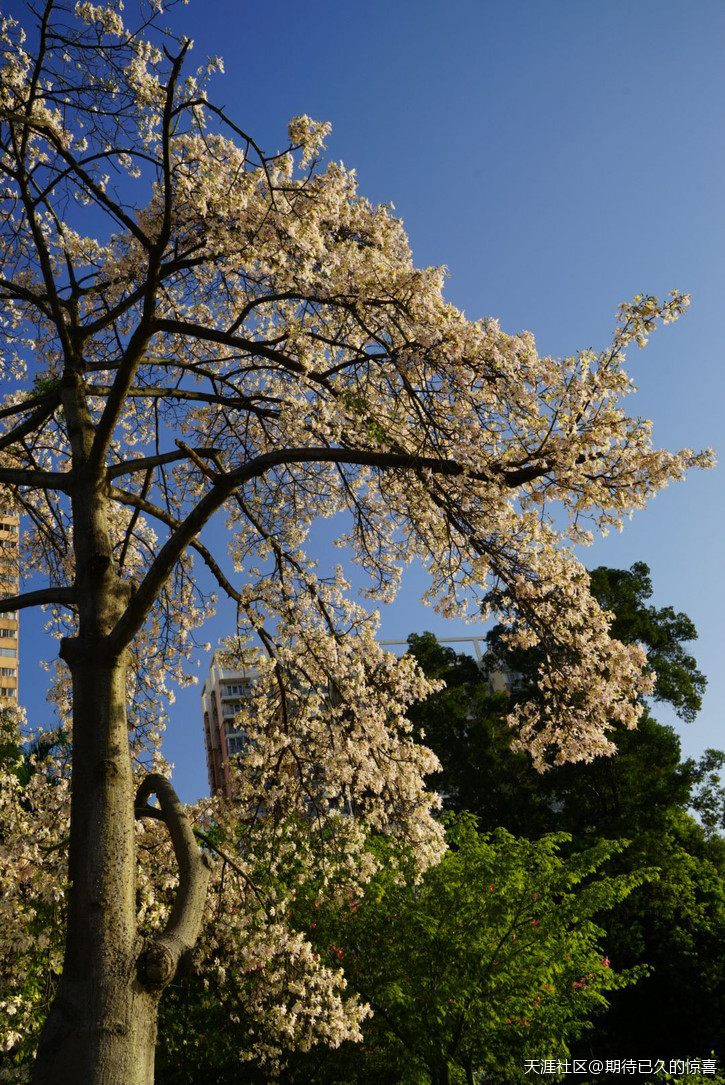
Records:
x=492, y=957
x=645, y=794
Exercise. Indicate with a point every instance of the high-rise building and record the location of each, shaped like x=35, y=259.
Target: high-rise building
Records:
x=9, y=572
x=222, y=697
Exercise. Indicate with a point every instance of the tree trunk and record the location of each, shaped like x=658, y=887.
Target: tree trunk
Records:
x=102, y=1026
x=440, y=1075
x=101, y=1029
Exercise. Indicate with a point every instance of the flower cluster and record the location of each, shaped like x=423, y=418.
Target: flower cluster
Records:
x=34, y=824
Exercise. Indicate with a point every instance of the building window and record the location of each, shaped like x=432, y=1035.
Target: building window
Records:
x=240, y=689
x=236, y=744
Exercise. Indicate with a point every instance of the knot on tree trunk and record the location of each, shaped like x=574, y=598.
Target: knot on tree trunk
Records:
x=157, y=965
x=99, y=563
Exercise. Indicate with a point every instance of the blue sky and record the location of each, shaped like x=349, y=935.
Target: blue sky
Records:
x=558, y=157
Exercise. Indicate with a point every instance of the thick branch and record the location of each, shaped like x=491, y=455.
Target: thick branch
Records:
x=213, y=335
x=117, y=395
x=237, y=402
x=140, y=504
x=62, y=596
x=110, y=316
x=143, y=464
x=42, y=399
x=31, y=424
x=39, y=480
x=14, y=290
x=160, y=959
x=164, y=233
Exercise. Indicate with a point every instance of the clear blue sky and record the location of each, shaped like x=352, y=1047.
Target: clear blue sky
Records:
x=559, y=158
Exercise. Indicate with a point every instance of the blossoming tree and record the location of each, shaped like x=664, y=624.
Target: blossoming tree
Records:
x=191, y=327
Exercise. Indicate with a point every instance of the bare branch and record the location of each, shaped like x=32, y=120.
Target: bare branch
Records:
x=129, y=467
x=30, y=425
x=206, y=839
x=38, y=480
x=29, y=123
x=65, y=597
x=43, y=398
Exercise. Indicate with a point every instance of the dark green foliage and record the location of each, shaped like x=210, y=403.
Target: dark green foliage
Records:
x=663, y=633
x=676, y=925
x=645, y=794
x=491, y=958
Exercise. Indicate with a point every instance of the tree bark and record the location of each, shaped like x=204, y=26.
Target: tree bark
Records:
x=440, y=1075
x=101, y=1029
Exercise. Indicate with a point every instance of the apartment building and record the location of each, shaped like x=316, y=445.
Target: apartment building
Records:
x=9, y=572
x=222, y=697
